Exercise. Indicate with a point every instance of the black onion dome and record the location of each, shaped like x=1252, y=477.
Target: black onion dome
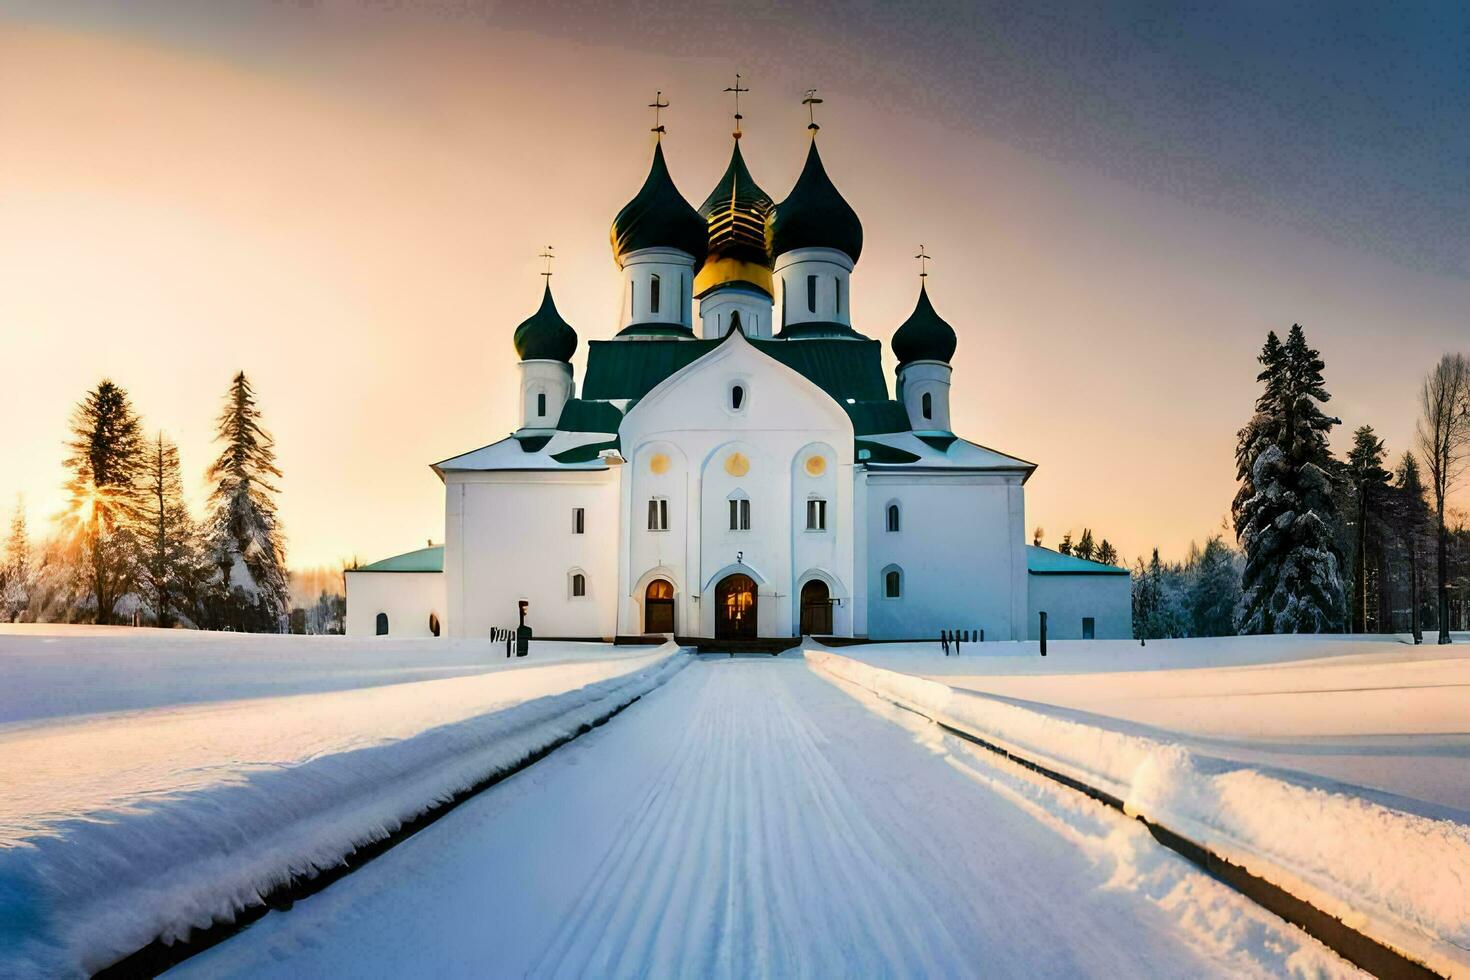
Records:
x=545, y=336
x=924, y=336
x=815, y=215
x=658, y=217
x=735, y=212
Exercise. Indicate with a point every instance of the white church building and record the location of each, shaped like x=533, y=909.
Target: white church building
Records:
x=732, y=465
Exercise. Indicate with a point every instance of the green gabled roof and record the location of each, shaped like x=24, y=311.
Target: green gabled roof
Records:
x=429, y=559
x=1044, y=561
x=843, y=368
x=584, y=454
x=581, y=415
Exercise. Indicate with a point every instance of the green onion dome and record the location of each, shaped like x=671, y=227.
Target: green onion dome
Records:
x=924, y=336
x=545, y=336
x=736, y=212
x=658, y=217
x=815, y=215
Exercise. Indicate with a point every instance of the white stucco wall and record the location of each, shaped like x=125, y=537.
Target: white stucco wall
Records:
x=1066, y=599
x=508, y=536
x=960, y=548
x=688, y=421
x=407, y=597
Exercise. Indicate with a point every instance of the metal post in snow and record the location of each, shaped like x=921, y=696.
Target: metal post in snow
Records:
x=1043, y=632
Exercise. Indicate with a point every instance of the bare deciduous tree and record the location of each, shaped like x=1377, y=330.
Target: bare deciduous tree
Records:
x=1444, y=439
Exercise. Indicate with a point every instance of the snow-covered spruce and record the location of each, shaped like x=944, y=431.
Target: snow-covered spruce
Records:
x=87, y=890
x=1396, y=876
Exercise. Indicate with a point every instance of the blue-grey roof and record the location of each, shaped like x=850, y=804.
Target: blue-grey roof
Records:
x=429, y=559
x=1044, y=561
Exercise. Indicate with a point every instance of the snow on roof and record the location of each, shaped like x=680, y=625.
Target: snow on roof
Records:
x=938, y=450
x=1044, y=561
x=430, y=559
x=539, y=453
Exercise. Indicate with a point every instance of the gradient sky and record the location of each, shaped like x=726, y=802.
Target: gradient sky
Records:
x=345, y=198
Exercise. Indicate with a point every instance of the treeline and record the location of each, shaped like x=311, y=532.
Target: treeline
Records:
x=1326, y=544
x=127, y=548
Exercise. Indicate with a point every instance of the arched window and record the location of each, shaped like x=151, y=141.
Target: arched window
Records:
x=892, y=582
x=434, y=623
x=653, y=291
x=382, y=624
x=811, y=294
x=579, y=585
x=632, y=299
x=541, y=404
x=927, y=405
x=893, y=523
x=737, y=397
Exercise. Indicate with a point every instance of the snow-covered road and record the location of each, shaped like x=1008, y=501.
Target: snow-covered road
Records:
x=752, y=818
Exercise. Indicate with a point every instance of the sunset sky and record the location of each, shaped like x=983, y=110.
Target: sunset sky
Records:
x=346, y=198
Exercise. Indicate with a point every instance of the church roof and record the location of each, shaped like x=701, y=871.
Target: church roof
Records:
x=544, y=335
x=934, y=451
x=735, y=213
x=1044, y=561
x=430, y=559
x=659, y=217
x=924, y=336
x=849, y=370
x=815, y=215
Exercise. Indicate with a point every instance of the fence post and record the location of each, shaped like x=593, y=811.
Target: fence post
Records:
x=1043, y=633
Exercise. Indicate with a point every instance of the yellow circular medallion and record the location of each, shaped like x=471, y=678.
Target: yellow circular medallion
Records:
x=816, y=465
x=736, y=464
x=658, y=463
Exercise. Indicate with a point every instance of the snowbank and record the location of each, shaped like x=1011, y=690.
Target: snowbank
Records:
x=79, y=887
x=1399, y=877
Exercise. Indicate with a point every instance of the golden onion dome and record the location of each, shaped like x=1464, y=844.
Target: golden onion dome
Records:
x=736, y=212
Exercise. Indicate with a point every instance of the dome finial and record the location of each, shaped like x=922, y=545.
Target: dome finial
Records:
x=924, y=259
x=737, y=90
x=656, y=105
x=811, y=102
x=548, y=256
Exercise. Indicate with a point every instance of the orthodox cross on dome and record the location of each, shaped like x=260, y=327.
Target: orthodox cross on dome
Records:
x=811, y=102
x=548, y=256
x=736, y=89
x=923, y=258
x=656, y=105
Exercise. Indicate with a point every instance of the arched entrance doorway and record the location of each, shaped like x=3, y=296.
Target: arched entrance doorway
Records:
x=816, y=609
x=735, y=608
x=658, y=607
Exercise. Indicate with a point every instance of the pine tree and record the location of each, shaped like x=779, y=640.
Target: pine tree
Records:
x=1285, y=515
x=15, y=573
x=1065, y=547
x=1085, y=548
x=246, y=547
x=169, y=562
x=1412, y=521
x=1369, y=482
x=1214, y=590
x=1145, y=601
x=106, y=454
x=1106, y=553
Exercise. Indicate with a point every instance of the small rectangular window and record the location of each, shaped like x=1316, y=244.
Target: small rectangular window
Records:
x=1089, y=627
x=734, y=515
x=653, y=291
x=579, y=520
x=579, y=585
x=540, y=404
x=837, y=283
x=811, y=294
x=658, y=514
x=816, y=515
x=740, y=515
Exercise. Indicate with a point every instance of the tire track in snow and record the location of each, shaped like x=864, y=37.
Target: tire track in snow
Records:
x=717, y=869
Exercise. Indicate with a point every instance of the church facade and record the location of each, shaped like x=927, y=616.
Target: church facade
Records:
x=732, y=464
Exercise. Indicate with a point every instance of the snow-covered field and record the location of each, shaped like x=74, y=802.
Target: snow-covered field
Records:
x=754, y=818
x=149, y=787
x=1372, y=711
x=1396, y=867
